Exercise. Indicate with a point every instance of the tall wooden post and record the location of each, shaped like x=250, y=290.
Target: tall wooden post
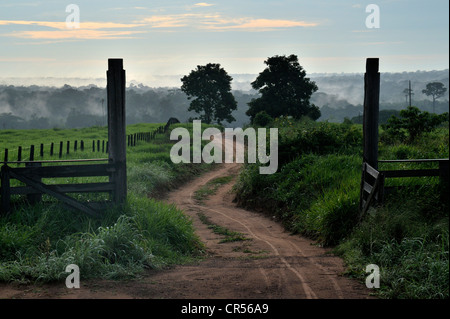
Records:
x=117, y=127
x=5, y=200
x=371, y=108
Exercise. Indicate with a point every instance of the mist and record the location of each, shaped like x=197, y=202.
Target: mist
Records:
x=50, y=102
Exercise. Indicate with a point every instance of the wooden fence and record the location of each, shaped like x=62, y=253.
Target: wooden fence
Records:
x=372, y=179
x=69, y=147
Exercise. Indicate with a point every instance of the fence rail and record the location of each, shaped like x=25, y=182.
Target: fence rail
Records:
x=442, y=171
x=377, y=189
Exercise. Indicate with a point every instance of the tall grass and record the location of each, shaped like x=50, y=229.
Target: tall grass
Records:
x=408, y=240
x=39, y=244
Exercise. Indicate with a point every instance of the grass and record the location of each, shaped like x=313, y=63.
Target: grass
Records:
x=37, y=242
x=230, y=236
x=315, y=192
x=211, y=188
x=408, y=240
x=12, y=139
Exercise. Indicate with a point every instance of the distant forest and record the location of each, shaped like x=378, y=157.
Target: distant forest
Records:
x=339, y=96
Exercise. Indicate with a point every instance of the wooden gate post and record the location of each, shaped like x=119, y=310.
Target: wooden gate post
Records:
x=34, y=198
x=5, y=195
x=371, y=108
x=117, y=127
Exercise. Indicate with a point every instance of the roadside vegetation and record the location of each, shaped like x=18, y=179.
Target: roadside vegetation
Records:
x=315, y=192
x=38, y=242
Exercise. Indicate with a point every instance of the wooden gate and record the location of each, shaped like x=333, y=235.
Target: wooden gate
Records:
x=371, y=187
x=372, y=180
x=115, y=168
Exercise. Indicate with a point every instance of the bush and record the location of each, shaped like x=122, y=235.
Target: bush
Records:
x=262, y=119
x=318, y=138
x=412, y=124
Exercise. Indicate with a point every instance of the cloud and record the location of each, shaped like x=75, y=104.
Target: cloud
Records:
x=88, y=30
x=203, y=4
x=73, y=34
x=216, y=22
x=168, y=21
x=63, y=26
x=259, y=24
x=51, y=30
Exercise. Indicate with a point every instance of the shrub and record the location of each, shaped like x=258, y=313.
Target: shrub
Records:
x=412, y=123
x=262, y=119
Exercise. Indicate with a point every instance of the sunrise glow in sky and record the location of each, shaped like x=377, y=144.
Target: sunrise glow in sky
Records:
x=173, y=37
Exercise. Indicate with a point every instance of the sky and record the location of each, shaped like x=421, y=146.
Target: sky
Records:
x=40, y=39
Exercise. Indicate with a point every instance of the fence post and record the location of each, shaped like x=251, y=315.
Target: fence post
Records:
x=51, y=149
x=370, y=116
x=117, y=127
x=34, y=198
x=5, y=190
x=31, y=153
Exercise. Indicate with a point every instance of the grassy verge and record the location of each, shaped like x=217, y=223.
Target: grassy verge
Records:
x=38, y=242
x=315, y=192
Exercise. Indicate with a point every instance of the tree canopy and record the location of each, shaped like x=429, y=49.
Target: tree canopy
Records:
x=435, y=90
x=285, y=90
x=211, y=87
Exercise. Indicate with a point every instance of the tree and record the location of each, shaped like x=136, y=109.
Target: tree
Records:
x=211, y=87
x=284, y=88
x=436, y=90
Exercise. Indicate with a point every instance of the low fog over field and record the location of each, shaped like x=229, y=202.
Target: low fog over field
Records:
x=76, y=102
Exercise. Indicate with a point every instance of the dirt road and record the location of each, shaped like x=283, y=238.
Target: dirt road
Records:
x=270, y=263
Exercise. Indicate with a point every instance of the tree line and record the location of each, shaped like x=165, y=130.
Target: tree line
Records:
x=35, y=107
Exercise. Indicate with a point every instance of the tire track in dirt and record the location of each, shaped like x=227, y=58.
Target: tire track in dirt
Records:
x=307, y=289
